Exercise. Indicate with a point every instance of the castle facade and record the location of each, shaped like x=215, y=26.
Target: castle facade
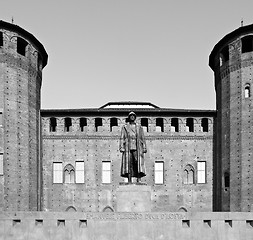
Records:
x=69, y=159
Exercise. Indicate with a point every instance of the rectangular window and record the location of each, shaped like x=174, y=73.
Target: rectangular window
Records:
x=1, y=118
x=1, y=164
x=106, y=172
x=201, y=172
x=159, y=172
x=80, y=172
x=57, y=172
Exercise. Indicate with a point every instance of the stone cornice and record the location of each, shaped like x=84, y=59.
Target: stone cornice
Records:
x=106, y=137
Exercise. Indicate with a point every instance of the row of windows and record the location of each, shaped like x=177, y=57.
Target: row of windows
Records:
x=247, y=46
x=190, y=126
x=21, y=46
x=69, y=174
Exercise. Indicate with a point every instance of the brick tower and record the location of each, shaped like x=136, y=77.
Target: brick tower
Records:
x=22, y=58
x=232, y=63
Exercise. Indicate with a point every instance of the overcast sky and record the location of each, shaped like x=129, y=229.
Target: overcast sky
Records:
x=128, y=50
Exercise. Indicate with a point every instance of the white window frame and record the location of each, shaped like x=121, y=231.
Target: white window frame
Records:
x=201, y=172
x=106, y=172
x=57, y=172
x=159, y=172
x=80, y=171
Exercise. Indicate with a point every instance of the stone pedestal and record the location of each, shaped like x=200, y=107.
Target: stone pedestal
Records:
x=133, y=198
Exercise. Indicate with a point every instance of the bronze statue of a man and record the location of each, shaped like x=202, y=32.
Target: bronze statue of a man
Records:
x=133, y=147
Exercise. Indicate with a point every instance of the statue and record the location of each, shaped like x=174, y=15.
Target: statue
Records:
x=133, y=147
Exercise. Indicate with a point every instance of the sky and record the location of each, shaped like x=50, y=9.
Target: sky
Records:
x=128, y=50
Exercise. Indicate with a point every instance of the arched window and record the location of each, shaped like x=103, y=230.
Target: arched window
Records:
x=247, y=91
x=159, y=125
x=98, y=123
x=71, y=209
x=82, y=123
x=113, y=123
x=144, y=124
x=224, y=55
x=108, y=209
x=182, y=209
x=52, y=124
x=69, y=174
x=21, y=46
x=67, y=124
x=247, y=44
x=188, y=175
x=190, y=125
x=204, y=125
x=174, y=125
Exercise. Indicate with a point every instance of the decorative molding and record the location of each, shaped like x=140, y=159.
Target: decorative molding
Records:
x=117, y=137
x=234, y=67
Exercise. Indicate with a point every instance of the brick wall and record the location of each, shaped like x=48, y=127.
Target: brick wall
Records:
x=175, y=149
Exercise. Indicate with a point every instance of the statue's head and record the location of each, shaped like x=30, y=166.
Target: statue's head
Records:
x=131, y=117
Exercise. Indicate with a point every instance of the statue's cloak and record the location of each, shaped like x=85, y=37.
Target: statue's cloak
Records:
x=141, y=149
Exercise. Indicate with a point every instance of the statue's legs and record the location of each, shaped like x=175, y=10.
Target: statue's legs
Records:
x=129, y=178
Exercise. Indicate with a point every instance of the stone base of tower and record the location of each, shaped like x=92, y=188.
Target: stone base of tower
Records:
x=133, y=198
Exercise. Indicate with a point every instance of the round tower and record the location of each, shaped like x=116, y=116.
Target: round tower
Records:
x=22, y=58
x=232, y=62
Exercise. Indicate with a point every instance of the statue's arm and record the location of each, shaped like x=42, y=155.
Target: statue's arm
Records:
x=143, y=140
x=122, y=141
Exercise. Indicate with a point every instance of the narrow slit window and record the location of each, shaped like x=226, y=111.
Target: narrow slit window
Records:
x=21, y=46
x=144, y=124
x=113, y=124
x=159, y=125
x=190, y=124
x=106, y=172
x=204, y=125
x=80, y=172
x=67, y=124
x=159, y=172
x=247, y=91
x=226, y=180
x=83, y=124
x=98, y=123
x=1, y=39
x=57, y=172
x=201, y=171
x=174, y=125
x=52, y=124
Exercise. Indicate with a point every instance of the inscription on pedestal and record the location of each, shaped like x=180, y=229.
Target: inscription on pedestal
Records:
x=133, y=198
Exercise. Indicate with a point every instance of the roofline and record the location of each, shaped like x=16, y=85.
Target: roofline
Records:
x=129, y=103
x=125, y=111
x=239, y=31
x=16, y=28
